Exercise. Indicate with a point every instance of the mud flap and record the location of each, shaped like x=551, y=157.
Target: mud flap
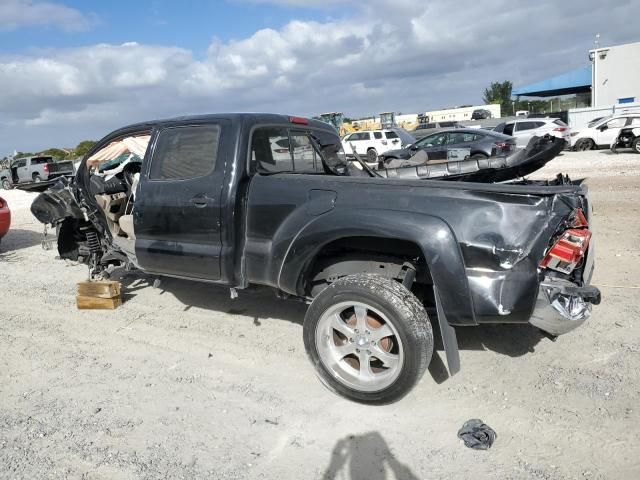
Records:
x=449, y=339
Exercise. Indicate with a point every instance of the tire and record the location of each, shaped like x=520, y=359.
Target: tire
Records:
x=635, y=145
x=6, y=184
x=37, y=178
x=584, y=144
x=396, y=326
x=479, y=156
x=372, y=155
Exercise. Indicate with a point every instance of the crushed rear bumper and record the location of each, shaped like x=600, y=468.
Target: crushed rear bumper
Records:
x=562, y=306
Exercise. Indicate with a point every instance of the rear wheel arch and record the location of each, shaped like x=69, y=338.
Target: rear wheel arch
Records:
x=434, y=238
x=388, y=257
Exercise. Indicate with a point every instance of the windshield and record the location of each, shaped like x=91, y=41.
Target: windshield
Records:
x=599, y=121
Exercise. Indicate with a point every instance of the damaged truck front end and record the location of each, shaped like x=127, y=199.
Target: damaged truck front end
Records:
x=91, y=211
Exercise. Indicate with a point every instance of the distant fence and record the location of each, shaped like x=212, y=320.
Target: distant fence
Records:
x=579, y=117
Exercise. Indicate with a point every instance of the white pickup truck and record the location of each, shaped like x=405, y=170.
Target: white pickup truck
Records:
x=33, y=170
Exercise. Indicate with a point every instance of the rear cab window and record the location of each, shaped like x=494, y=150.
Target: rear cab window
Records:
x=301, y=155
x=41, y=160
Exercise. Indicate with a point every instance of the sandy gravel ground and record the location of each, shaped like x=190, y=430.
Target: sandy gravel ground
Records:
x=182, y=382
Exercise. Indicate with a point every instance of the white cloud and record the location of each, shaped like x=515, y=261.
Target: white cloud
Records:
x=15, y=14
x=395, y=58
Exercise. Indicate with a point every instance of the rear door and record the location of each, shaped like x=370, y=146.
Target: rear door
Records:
x=523, y=132
x=177, y=212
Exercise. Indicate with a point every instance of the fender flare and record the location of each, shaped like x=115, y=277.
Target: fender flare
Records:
x=433, y=236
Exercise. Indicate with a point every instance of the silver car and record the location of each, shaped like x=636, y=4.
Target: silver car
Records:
x=523, y=130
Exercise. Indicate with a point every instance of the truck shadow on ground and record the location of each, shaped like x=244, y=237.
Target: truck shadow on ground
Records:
x=18, y=239
x=365, y=456
x=260, y=303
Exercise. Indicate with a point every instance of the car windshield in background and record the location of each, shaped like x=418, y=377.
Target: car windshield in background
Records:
x=405, y=137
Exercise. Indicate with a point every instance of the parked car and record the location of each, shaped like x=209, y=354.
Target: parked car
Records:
x=33, y=170
x=522, y=113
x=462, y=142
x=370, y=254
x=372, y=143
x=425, y=129
x=480, y=114
x=5, y=217
x=524, y=130
x=629, y=137
x=602, y=133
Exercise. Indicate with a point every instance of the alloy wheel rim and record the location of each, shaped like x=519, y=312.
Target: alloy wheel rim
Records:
x=360, y=346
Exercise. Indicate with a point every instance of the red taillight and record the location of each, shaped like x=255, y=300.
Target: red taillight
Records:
x=45, y=167
x=560, y=129
x=503, y=145
x=567, y=252
x=299, y=120
x=569, y=249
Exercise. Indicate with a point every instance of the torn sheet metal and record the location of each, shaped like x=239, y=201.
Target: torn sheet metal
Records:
x=534, y=156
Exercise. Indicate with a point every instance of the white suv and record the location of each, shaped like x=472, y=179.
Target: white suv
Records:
x=523, y=130
x=603, y=132
x=372, y=143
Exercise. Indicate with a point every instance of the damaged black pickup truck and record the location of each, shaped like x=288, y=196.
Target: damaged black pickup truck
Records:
x=241, y=199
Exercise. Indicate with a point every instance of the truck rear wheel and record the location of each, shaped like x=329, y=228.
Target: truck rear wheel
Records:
x=369, y=338
x=635, y=145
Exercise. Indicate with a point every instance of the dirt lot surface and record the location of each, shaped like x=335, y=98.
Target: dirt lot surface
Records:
x=182, y=382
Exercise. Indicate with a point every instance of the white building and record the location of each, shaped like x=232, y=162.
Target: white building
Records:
x=460, y=114
x=615, y=75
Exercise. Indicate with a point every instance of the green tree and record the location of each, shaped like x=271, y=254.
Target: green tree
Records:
x=499, y=92
x=23, y=154
x=56, y=153
x=83, y=147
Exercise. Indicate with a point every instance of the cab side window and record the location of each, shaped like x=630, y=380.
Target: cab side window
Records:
x=276, y=149
x=304, y=155
x=185, y=152
x=270, y=151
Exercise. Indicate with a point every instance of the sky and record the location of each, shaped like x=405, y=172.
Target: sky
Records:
x=77, y=69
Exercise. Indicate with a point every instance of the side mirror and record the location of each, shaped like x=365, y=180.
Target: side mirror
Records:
x=603, y=128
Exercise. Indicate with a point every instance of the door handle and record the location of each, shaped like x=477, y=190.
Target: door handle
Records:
x=200, y=201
